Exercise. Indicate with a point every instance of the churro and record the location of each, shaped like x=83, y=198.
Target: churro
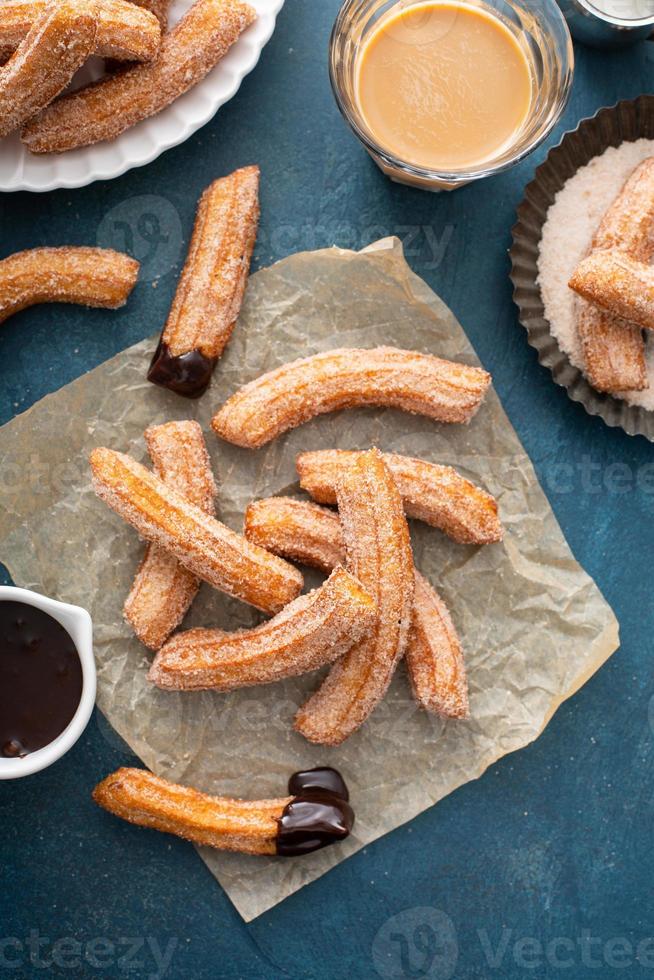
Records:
x=613, y=348
x=430, y=492
x=206, y=547
x=163, y=589
x=379, y=555
x=125, y=32
x=157, y=7
x=296, y=824
x=312, y=535
x=308, y=633
x=105, y=109
x=59, y=41
x=618, y=284
x=212, y=284
x=384, y=376
x=89, y=276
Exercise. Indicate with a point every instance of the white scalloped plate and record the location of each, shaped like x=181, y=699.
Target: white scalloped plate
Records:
x=23, y=171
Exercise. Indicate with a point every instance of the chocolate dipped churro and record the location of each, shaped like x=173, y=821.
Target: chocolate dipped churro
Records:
x=212, y=284
x=384, y=376
x=308, y=633
x=312, y=535
x=316, y=814
x=209, y=549
x=88, y=276
x=124, y=31
x=108, y=107
x=59, y=41
x=432, y=493
x=379, y=554
x=163, y=589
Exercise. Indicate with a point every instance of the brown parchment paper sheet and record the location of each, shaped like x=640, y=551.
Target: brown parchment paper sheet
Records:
x=533, y=624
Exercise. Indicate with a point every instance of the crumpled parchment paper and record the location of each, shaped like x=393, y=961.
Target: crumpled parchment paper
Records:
x=534, y=626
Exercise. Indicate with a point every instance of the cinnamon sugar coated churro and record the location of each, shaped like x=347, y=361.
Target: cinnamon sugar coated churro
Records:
x=432, y=493
x=59, y=41
x=163, y=589
x=296, y=824
x=311, y=631
x=212, y=284
x=313, y=535
x=88, y=276
x=613, y=348
x=618, y=284
x=157, y=7
x=124, y=31
x=379, y=554
x=105, y=109
x=206, y=547
x=336, y=379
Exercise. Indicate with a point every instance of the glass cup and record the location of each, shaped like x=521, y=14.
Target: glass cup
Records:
x=539, y=28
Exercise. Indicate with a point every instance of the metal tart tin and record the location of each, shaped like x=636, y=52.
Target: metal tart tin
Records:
x=624, y=122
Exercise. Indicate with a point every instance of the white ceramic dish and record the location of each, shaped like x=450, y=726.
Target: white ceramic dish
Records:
x=77, y=622
x=23, y=171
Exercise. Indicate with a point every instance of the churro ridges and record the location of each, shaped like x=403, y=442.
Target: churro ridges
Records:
x=163, y=589
x=430, y=492
x=618, y=284
x=210, y=290
x=613, y=349
x=434, y=656
x=314, y=630
x=60, y=40
x=312, y=535
x=379, y=554
x=142, y=798
x=110, y=106
x=206, y=547
x=628, y=225
x=124, y=31
x=344, y=378
x=88, y=276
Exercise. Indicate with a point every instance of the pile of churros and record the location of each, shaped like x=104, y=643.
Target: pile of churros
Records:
x=44, y=42
x=373, y=609
x=616, y=284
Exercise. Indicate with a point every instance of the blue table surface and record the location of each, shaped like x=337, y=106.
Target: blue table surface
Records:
x=544, y=865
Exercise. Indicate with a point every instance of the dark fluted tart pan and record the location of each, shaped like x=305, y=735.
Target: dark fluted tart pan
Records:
x=624, y=122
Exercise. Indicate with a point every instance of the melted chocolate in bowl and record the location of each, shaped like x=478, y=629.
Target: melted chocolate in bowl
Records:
x=40, y=679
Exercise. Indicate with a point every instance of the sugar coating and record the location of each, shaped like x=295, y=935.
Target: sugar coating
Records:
x=314, y=630
x=90, y=276
x=430, y=492
x=348, y=378
x=124, y=31
x=105, y=109
x=210, y=290
x=313, y=535
x=163, y=588
x=571, y=223
x=379, y=554
x=142, y=798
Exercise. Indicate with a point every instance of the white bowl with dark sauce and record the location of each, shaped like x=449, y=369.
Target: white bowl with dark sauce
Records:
x=47, y=679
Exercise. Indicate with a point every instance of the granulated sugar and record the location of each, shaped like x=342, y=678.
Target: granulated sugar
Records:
x=571, y=223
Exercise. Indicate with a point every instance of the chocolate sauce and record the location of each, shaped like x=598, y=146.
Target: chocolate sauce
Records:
x=318, y=814
x=186, y=374
x=40, y=679
x=323, y=779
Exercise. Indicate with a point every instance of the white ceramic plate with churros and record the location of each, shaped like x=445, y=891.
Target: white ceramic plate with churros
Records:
x=21, y=170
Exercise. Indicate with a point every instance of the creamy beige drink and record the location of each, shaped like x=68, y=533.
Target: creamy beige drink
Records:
x=443, y=86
